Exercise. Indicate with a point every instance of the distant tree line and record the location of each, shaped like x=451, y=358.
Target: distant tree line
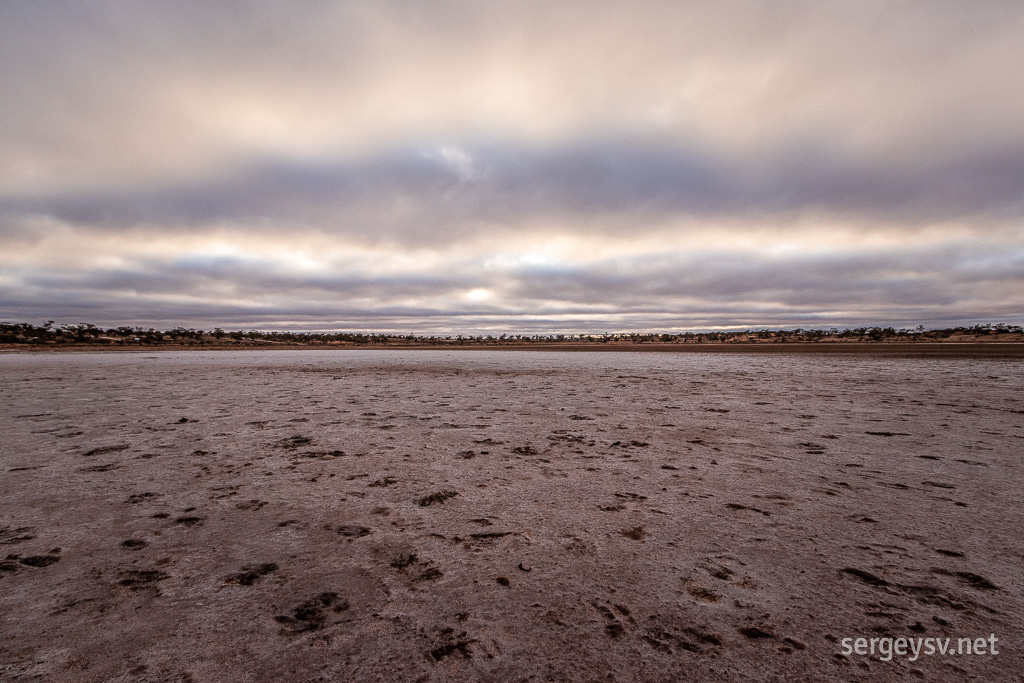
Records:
x=87, y=333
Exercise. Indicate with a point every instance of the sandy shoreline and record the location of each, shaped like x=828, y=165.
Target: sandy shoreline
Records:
x=435, y=515
x=948, y=349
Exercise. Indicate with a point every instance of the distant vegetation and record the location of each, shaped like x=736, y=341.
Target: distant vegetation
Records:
x=86, y=333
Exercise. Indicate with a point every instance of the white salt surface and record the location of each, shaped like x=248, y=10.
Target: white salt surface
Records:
x=265, y=516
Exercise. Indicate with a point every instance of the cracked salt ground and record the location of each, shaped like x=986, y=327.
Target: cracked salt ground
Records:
x=437, y=516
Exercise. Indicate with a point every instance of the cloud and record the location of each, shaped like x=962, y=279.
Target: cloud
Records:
x=108, y=91
x=676, y=289
x=604, y=163
x=448, y=191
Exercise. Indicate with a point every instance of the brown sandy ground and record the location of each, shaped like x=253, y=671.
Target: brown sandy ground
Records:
x=438, y=516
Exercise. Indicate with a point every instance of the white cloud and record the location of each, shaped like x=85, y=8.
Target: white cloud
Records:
x=637, y=163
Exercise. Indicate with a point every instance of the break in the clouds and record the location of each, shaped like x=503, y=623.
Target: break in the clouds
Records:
x=512, y=166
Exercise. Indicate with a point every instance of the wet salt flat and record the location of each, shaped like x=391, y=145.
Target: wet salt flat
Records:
x=506, y=516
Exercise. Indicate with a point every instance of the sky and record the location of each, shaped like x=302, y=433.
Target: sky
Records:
x=519, y=166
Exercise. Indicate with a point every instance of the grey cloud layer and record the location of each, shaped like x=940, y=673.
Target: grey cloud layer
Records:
x=108, y=89
x=503, y=185
x=940, y=286
x=878, y=145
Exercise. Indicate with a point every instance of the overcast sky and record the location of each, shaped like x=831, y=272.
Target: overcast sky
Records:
x=512, y=166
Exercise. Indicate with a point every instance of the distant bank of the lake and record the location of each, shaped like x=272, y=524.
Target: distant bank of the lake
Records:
x=946, y=349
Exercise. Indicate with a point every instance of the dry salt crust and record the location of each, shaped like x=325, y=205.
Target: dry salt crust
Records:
x=502, y=516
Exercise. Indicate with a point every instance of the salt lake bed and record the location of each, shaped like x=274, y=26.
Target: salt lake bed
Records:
x=506, y=516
